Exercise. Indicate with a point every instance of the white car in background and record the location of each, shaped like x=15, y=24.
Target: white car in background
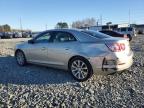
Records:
x=17, y=35
x=130, y=31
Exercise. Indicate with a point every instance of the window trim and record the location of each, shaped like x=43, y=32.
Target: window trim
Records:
x=88, y=32
x=42, y=34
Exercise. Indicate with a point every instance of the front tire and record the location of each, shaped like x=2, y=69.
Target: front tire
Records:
x=20, y=58
x=80, y=69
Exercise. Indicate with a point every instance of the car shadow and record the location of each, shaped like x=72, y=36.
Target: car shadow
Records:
x=12, y=73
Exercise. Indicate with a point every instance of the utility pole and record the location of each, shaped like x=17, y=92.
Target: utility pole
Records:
x=97, y=22
x=21, y=25
x=101, y=19
x=129, y=17
x=3, y=29
x=46, y=26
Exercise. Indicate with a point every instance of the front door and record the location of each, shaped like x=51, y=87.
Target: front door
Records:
x=38, y=51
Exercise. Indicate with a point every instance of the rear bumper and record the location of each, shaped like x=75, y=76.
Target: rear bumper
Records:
x=110, y=64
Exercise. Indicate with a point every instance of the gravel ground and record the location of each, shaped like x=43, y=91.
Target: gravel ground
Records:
x=37, y=86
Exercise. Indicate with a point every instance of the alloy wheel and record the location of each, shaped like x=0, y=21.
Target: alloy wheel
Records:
x=20, y=58
x=79, y=69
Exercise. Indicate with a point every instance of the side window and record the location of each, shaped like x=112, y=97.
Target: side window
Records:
x=44, y=38
x=64, y=37
x=129, y=29
x=123, y=29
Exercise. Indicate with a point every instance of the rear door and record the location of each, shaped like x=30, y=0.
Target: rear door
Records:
x=61, y=49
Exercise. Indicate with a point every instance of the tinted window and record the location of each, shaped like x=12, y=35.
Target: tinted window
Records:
x=129, y=29
x=118, y=29
x=123, y=29
x=64, y=37
x=108, y=32
x=96, y=34
x=43, y=38
x=112, y=33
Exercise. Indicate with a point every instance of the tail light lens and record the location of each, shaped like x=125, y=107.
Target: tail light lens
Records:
x=116, y=47
x=125, y=36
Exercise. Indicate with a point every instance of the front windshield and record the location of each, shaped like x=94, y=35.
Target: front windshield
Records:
x=95, y=34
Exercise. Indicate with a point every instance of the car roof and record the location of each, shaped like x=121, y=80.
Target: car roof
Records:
x=80, y=36
x=65, y=30
x=108, y=30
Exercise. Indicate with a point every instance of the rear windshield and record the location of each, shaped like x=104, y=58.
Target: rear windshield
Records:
x=95, y=34
x=123, y=29
x=129, y=29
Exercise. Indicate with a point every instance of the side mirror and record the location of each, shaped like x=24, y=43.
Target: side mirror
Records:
x=31, y=41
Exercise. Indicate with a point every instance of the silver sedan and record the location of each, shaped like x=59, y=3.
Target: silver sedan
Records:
x=81, y=52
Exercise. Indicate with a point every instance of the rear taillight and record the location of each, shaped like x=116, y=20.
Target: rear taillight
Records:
x=125, y=36
x=116, y=47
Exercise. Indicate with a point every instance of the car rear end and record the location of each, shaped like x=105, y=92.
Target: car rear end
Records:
x=120, y=57
x=111, y=54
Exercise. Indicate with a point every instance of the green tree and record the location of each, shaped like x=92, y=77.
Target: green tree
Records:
x=84, y=23
x=60, y=25
x=6, y=28
x=1, y=29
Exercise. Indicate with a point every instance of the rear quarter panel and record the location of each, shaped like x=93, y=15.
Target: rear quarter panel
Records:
x=94, y=49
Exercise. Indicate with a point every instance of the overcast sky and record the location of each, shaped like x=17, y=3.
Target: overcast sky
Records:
x=36, y=14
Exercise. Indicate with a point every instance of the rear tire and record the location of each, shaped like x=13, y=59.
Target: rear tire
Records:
x=20, y=58
x=130, y=37
x=80, y=69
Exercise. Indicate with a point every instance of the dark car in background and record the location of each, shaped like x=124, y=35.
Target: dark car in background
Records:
x=1, y=34
x=9, y=35
x=26, y=34
x=17, y=35
x=6, y=35
x=116, y=34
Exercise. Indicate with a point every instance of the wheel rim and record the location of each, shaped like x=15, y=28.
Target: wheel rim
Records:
x=20, y=58
x=79, y=69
